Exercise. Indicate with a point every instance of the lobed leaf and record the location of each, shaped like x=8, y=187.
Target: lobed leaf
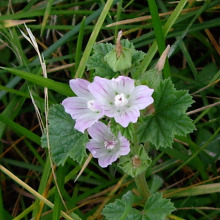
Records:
x=64, y=140
x=121, y=209
x=157, y=207
x=170, y=117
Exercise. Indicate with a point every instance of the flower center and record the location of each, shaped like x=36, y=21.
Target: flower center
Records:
x=109, y=145
x=120, y=100
x=90, y=105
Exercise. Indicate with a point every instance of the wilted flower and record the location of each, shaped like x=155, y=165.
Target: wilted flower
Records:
x=81, y=108
x=105, y=146
x=120, y=99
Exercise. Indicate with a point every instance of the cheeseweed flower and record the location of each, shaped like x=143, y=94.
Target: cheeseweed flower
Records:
x=120, y=99
x=81, y=108
x=105, y=146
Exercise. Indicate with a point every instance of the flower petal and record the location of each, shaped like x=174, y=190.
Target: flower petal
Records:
x=87, y=120
x=107, y=160
x=96, y=148
x=123, y=84
x=75, y=106
x=80, y=87
x=125, y=146
x=101, y=89
x=130, y=115
x=142, y=97
x=99, y=132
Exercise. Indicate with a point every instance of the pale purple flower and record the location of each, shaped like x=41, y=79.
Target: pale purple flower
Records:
x=105, y=146
x=81, y=108
x=120, y=98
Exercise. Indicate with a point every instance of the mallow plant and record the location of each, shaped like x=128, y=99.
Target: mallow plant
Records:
x=118, y=116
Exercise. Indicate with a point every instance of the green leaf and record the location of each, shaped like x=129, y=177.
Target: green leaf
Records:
x=151, y=78
x=126, y=132
x=137, y=56
x=122, y=209
x=170, y=117
x=208, y=73
x=135, y=164
x=157, y=207
x=64, y=140
x=96, y=61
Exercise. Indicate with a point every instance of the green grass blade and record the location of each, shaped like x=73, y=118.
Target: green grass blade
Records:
x=46, y=15
x=2, y=215
x=153, y=49
x=20, y=129
x=24, y=165
x=13, y=108
x=68, y=35
x=118, y=15
x=59, y=87
x=79, y=44
x=198, y=13
x=32, y=191
x=43, y=183
x=92, y=39
x=196, y=153
x=9, y=85
x=158, y=31
x=57, y=200
x=189, y=60
x=192, y=191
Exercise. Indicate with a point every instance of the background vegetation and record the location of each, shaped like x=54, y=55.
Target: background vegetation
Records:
x=66, y=31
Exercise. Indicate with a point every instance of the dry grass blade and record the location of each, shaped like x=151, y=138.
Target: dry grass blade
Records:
x=12, y=23
x=84, y=167
x=33, y=42
x=148, y=17
x=203, y=108
x=211, y=37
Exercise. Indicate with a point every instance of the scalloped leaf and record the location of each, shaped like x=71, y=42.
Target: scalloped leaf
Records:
x=122, y=209
x=97, y=62
x=64, y=140
x=157, y=207
x=170, y=116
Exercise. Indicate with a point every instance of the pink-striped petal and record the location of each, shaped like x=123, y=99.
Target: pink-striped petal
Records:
x=80, y=87
x=142, y=97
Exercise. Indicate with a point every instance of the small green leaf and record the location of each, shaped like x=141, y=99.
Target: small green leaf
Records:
x=137, y=56
x=126, y=132
x=135, y=164
x=122, y=209
x=157, y=207
x=151, y=78
x=103, y=48
x=64, y=140
x=170, y=117
x=96, y=61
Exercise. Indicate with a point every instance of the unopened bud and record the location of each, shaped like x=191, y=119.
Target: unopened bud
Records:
x=118, y=45
x=161, y=61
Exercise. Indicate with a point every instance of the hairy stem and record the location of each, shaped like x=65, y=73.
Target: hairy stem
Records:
x=142, y=186
x=140, y=180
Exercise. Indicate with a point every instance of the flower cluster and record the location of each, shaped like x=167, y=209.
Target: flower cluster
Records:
x=117, y=98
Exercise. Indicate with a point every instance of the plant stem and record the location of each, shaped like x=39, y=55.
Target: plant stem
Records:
x=140, y=180
x=142, y=186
